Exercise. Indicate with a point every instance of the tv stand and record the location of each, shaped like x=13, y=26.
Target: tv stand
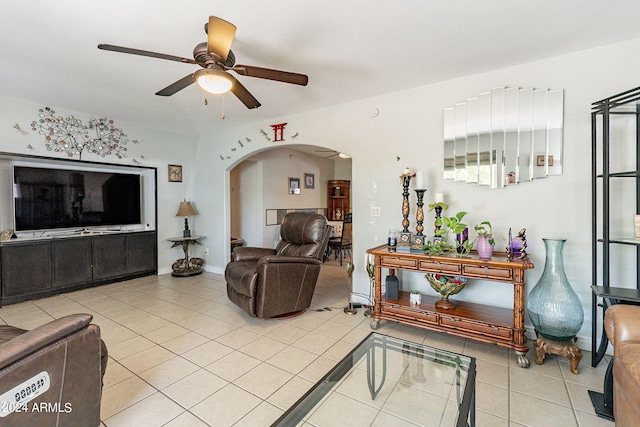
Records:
x=46, y=266
x=478, y=322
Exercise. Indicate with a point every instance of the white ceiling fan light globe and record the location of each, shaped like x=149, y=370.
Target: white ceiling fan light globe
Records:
x=214, y=81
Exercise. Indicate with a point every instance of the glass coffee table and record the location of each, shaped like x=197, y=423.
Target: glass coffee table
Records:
x=389, y=381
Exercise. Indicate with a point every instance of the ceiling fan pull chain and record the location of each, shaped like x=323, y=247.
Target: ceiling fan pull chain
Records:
x=206, y=102
x=222, y=107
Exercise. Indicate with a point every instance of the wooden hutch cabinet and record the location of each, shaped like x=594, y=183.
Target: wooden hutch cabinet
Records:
x=338, y=199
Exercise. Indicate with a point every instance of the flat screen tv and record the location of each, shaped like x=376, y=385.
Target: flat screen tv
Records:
x=46, y=198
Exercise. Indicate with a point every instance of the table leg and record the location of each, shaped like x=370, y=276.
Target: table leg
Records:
x=371, y=369
x=185, y=248
x=604, y=340
x=472, y=415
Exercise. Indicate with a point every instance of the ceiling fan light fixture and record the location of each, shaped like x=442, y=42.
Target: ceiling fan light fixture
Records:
x=214, y=81
x=343, y=156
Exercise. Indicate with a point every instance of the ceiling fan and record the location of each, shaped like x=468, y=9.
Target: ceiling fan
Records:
x=216, y=59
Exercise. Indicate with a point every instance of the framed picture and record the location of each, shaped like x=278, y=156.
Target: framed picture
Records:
x=294, y=185
x=540, y=160
x=309, y=180
x=175, y=173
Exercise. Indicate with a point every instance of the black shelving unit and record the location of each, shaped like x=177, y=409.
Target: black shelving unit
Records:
x=604, y=293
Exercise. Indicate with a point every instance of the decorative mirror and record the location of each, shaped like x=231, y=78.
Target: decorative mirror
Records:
x=504, y=137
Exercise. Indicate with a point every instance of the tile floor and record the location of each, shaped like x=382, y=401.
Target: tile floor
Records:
x=180, y=354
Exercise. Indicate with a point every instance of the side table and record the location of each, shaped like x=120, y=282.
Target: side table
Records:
x=186, y=266
x=480, y=322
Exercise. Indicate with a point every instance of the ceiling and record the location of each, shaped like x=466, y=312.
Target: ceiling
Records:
x=349, y=49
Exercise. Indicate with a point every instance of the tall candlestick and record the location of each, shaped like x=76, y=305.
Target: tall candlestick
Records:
x=420, y=213
x=406, y=178
x=439, y=198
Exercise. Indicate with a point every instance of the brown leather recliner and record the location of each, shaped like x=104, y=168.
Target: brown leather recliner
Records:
x=273, y=282
x=622, y=324
x=65, y=355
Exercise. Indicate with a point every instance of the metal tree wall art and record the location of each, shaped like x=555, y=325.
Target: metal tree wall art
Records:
x=69, y=135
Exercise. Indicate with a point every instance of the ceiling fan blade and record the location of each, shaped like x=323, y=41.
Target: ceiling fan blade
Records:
x=145, y=53
x=244, y=95
x=176, y=86
x=220, y=36
x=267, y=73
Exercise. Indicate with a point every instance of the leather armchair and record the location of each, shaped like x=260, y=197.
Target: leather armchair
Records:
x=70, y=355
x=622, y=326
x=273, y=282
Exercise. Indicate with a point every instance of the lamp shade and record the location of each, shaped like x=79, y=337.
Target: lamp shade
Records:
x=214, y=81
x=186, y=209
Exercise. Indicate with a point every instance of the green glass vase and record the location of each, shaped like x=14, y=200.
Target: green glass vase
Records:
x=554, y=308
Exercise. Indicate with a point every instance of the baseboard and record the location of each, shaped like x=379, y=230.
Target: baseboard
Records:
x=164, y=270
x=213, y=269
x=207, y=268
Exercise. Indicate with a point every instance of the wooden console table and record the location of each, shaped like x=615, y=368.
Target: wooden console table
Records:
x=484, y=323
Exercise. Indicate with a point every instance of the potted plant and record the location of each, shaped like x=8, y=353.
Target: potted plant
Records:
x=441, y=246
x=485, y=240
x=415, y=297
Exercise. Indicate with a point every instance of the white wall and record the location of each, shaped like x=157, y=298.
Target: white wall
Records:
x=409, y=125
x=158, y=149
x=343, y=170
x=245, y=206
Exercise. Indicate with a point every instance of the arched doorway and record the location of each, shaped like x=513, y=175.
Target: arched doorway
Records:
x=260, y=184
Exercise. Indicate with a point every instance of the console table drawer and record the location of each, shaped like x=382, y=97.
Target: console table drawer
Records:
x=476, y=327
x=487, y=272
x=410, y=313
x=439, y=267
x=396, y=262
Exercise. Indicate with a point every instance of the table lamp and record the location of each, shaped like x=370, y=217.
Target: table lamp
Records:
x=186, y=210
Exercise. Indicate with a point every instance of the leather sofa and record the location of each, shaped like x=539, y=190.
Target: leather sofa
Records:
x=62, y=364
x=267, y=282
x=622, y=325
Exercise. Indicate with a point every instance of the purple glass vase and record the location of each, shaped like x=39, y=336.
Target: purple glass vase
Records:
x=461, y=238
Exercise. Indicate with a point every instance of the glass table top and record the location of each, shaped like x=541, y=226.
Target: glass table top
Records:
x=389, y=381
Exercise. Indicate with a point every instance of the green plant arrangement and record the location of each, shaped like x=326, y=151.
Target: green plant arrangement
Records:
x=437, y=247
x=463, y=249
x=450, y=225
x=443, y=205
x=485, y=230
